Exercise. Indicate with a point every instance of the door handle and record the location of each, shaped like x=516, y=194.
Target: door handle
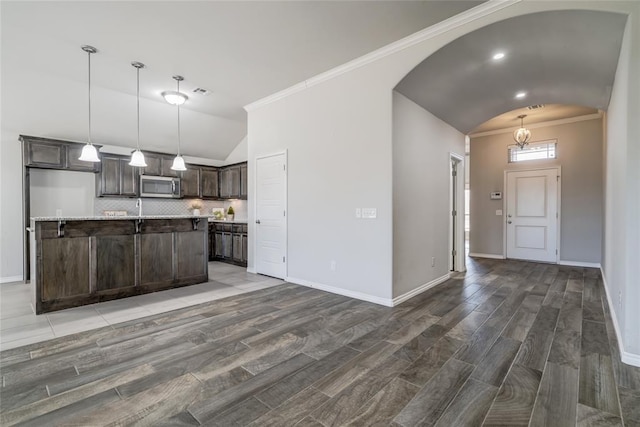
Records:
x=508, y=222
x=508, y=215
x=257, y=221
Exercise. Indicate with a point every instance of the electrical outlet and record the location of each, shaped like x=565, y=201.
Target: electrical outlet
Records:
x=333, y=265
x=619, y=299
x=433, y=261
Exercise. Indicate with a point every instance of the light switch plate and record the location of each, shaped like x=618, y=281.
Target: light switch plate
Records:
x=499, y=212
x=369, y=213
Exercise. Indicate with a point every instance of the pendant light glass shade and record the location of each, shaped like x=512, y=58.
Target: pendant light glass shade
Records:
x=522, y=135
x=137, y=158
x=89, y=152
x=178, y=162
x=174, y=98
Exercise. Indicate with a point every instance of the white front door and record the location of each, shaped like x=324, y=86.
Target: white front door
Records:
x=271, y=224
x=532, y=215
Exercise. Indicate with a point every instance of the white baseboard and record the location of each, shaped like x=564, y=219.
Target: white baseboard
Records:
x=402, y=298
x=8, y=279
x=628, y=358
x=344, y=292
x=251, y=270
x=579, y=264
x=492, y=256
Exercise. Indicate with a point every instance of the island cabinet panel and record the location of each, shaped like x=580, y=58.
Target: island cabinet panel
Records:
x=115, y=267
x=65, y=268
x=79, y=262
x=156, y=253
x=192, y=254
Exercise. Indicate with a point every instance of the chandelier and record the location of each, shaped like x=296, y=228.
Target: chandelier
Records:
x=522, y=135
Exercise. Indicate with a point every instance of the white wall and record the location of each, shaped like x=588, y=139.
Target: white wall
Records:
x=239, y=154
x=422, y=144
x=71, y=192
x=11, y=227
x=580, y=156
x=337, y=129
x=621, y=266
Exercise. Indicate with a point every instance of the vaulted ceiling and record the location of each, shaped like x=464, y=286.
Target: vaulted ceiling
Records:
x=239, y=51
x=559, y=57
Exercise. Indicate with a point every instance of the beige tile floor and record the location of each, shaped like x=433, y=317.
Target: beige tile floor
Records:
x=20, y=326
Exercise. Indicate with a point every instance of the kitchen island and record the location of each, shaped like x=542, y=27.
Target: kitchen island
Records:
x=83, y=260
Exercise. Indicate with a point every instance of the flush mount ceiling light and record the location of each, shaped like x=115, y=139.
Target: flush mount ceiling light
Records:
x=498, y=56
x=521, y=95
x=174, y=97
x=89, y=152
x=178, y=162
x=522, y=135
x=137, y=158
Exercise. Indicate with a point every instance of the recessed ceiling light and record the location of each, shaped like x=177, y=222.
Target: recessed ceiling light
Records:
x=498, y=56
x=521, y=95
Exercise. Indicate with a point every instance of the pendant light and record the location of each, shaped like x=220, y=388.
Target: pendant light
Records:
x=522, y=135
x=178, y=162
x=89, y=152
x=137, y=158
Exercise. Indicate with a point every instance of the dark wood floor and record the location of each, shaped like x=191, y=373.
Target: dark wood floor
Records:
x=508, y=343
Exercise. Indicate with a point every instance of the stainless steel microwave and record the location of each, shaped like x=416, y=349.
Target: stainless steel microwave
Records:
x=159, y=186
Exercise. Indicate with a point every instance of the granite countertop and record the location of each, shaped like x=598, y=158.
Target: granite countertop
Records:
x=132, y=217
x=114, y=218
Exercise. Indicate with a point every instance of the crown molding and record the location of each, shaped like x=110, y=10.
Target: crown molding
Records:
x=549, y=123
x=435, y=30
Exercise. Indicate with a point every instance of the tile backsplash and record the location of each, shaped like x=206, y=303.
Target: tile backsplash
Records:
x=152, y=206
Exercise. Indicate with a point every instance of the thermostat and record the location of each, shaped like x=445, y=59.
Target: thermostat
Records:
x=496, y=195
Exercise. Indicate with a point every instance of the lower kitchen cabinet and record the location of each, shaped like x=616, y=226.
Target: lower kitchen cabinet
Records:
x=228, y=243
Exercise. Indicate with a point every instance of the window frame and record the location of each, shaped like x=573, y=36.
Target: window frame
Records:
x=547, y=143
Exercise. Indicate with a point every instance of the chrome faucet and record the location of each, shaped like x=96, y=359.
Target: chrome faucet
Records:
x=139, y=206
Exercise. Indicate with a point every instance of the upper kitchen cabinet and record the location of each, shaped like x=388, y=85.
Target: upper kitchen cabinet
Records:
x=117, y=178
x=158, y=165
x=231, y=186
x=55, y=154
x=243, y=181
x=209, y=182
x=190, y=181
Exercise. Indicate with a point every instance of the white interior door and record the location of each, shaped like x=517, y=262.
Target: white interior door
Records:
x=532, y=215
x=271, y=224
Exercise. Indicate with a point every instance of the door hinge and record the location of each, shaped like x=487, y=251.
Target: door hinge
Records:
x=454, y=213
x=284, y=213
x=556, y=215
x=282, y=259
x=556, y=252
x=284, y=167
x=454, y=173
x=453, y=252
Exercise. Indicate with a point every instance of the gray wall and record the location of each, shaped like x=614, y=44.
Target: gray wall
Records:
x=421, y=147
x=580, y=156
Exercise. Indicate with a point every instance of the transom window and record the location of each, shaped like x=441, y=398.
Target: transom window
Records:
x=535, y=151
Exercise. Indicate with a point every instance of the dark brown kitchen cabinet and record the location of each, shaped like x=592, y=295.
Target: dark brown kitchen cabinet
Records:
x=209, y=182
x=80, y=262
x=117, y=178
x=55, y=154
x=243, y=181
x=229, y=243
x=230, y=182
x=190, y=181
x=158, y=164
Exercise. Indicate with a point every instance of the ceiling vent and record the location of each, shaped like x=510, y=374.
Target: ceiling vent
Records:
x=531, y=107
x=202, y=91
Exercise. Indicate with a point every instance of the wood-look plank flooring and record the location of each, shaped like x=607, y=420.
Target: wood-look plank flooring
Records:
x=507, y=343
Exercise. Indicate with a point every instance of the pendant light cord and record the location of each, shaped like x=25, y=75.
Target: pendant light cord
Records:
x=178, y=120
x=89, y=55
x=138, y=104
